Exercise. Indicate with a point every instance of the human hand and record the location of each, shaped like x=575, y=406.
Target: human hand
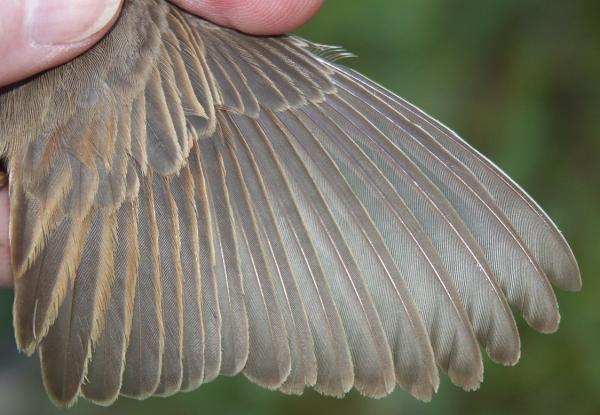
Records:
x=38, y=34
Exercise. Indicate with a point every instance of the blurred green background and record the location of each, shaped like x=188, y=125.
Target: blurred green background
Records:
x=518, y=79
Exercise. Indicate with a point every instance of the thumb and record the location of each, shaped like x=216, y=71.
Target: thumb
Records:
x=38, y=34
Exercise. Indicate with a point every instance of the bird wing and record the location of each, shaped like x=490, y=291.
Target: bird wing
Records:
x=245, y=205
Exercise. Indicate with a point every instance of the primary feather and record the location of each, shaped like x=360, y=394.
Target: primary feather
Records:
x=187, y=201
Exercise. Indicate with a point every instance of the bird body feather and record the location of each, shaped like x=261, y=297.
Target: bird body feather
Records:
x=189, y=201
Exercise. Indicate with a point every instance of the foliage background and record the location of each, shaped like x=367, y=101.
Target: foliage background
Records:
x=520, y=80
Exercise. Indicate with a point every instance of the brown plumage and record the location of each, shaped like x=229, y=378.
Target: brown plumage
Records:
x=189, y=201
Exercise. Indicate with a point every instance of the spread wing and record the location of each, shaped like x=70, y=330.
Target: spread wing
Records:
x=210, y=203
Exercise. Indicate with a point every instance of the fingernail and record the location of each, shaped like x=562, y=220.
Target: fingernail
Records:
x=58, y=22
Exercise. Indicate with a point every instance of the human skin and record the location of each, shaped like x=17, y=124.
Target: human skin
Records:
x=66, y=28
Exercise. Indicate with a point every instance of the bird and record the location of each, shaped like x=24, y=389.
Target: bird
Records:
x=189, y=201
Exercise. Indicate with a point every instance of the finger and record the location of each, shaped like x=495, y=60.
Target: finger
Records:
x=6, y=279
x=260, y=17
x=38, y=34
